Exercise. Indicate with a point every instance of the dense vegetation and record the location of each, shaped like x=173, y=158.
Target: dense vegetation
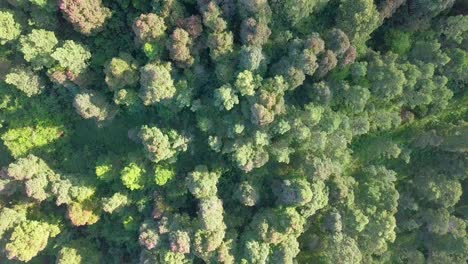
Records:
x=233, y=131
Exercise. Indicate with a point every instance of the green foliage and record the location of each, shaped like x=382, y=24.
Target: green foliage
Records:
x=294, y=11
x=156, y=83
x=455, y=28
x=340, y=248
x=152, y=50
x=115, y=202
x=78, y=251
x=179, y=48
x=87, y=17
x=93, y=105
x=133, y=177
x=9, y=218
x=26, y=81
x=387, y=80
x=250, y=131
x=202, y=183
x=161, y=145
x=294, y=192
x=149, y=28
x=22, y=140
x=38, y=46
x=358, y=19
x=82, y=214
x=398, y=41
x=10, y=29
x=28, y=239
x=163, y=174
x=121, y=72
x=225, y=98
x=72, y=56
x=248, y=194
x=246, y=83
x=127, y=98
x=72, y=189
x=105, y=169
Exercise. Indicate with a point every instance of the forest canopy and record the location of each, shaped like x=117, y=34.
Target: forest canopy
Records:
x=234, y=131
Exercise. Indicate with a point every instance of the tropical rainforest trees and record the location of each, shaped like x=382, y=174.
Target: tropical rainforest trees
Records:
x=250, y=131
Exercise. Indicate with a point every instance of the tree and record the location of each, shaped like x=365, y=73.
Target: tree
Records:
x=20, y=141
x=121, y=72
x=193, y=26
x=269, y=101
x=233, y=131
x=163, y=174
x=379, y=200
x=9, y=219
x=105, y=169
x=247, y=193
x=28, y=239
x=338, y=248
x=161, y=145
x=387, y=80
x=78, y=251
x=328, y=62
x=149, y=237
x=10, y=29
x=82, y=214
x=355, y=98
x=93, y=105
x=429, y=52
x=25, y=80
x=72, y=57
x=294, y=192
x=35, y=174
x=248, y=156
x=455, y=29
x=285, y=252
x=254, y=33
x=202, y=183
x=225, y=97
x=358, y=19
x=179, y=48
x=251, y=58
x=319, y=199
x=438, y=189
x=207, y=241
x=220, y=44
x=170, y=10
x=71, y=189
x=388, y=7
x=87, y=17
x=337, y=41
x=38, y=46
x=398, y=41
x=266, y=237
x=212, y=16
x=128, y=98
x=179, y=242
x=116, y=201
x=315, y=43
x=426, y=10
x=133, y=177
x=169, y=257
x=456, y=68
x=148, y=28
x=295, y=11
x=246, y=83
x=255, y=252
x=258, y=9
x=156, y=83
